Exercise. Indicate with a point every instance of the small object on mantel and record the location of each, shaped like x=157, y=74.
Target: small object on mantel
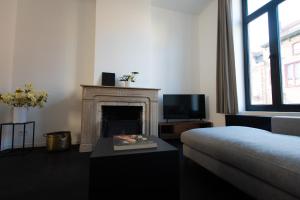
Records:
x=129, y=78
x=108, y=79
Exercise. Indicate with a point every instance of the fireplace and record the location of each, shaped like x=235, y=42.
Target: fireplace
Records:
x=107, y=111
x=115, y=118
x=118, y=120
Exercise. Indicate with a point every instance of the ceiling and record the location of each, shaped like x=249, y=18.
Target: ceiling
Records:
x=186, y=6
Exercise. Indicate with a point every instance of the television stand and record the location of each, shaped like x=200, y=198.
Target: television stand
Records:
x=173, y=130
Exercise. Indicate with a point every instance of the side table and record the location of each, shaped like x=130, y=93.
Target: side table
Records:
x=173, y=130
x=13, y=132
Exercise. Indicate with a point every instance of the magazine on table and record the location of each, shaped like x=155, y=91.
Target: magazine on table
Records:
x=131, y=142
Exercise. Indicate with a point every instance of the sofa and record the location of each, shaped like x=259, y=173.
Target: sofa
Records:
x=264, y=164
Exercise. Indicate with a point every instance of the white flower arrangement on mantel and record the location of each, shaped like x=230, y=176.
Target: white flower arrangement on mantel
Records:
x=129, y=78
x=22, y=99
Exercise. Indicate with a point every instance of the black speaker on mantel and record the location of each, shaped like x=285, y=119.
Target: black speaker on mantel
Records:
x=108, y=79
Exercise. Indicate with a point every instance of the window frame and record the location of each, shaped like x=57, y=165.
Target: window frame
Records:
x=271, y=8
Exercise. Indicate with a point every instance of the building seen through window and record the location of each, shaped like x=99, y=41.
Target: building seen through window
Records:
x=289, y=55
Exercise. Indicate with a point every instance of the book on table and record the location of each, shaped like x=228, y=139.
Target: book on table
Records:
x=132, y=142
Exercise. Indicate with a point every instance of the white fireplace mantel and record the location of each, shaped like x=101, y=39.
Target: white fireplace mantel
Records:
x=93, y=97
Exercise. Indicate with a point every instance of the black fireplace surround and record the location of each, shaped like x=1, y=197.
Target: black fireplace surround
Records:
x=118, y=120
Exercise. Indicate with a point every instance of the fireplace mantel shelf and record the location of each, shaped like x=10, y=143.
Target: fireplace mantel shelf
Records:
x=117, y=87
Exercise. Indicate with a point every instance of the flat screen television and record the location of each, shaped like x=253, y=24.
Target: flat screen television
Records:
x=182, y=106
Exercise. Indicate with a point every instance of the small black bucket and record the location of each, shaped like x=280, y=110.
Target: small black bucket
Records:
x=58, y=141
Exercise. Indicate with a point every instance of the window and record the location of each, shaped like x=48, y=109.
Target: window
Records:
x=255, y=4
x=272, y=54
x=292, y=75
x=296, y=49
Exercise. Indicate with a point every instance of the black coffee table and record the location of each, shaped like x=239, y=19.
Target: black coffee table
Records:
x=134, y=174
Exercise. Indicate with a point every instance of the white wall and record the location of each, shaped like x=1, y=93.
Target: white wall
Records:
x=60, y=44
x=131, y=35
x=8, y=9
x=175, y=52
x=208, y=26
x=123, y=39
x=54, y=49
x=237, y=23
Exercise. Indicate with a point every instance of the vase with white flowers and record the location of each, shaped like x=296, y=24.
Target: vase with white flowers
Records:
x=128, y=78
x=22, y=99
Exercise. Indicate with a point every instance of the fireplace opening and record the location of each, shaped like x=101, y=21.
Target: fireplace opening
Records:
x=118, y=120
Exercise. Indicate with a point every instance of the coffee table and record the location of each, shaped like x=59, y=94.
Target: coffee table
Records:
x=134, y=174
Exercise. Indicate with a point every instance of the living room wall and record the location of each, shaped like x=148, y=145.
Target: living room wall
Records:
x=8, y=10
x=54, y=42
x=132, y=35
x=123, y=39
x=175, y=52
x=208, y=25
x=59, y=44
x=54, y=50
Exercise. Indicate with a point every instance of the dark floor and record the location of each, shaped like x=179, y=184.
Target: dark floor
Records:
x=42, y=176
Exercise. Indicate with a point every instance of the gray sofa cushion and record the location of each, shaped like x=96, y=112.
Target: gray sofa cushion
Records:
x=286, y=125
x=272, y=158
